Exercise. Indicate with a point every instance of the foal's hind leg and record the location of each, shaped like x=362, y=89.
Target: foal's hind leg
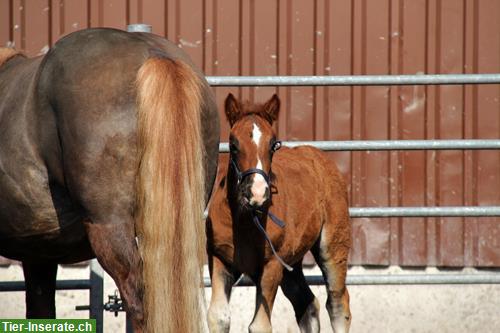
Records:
x=115, y=248
x=40, y=279
x=305, y=305
x=331, y=256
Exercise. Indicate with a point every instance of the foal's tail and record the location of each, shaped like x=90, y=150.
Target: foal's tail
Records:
x=171, y=195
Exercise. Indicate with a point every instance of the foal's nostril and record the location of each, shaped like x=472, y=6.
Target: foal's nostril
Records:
x=267, y=194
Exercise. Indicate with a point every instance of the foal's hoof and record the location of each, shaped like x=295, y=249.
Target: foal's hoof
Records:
x=255, y=328
x=309, y=323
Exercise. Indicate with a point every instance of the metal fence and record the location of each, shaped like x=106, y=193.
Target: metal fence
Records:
x=95, y=286
x=384, y=145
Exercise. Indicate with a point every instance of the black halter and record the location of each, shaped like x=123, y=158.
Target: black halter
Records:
x=242, y=175
x=246, y=173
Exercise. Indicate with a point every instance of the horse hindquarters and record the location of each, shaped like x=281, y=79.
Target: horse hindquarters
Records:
x=107, y=132
x=170, y=201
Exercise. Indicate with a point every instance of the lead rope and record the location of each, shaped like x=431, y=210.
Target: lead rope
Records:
x=261, y=228
x=276, y=220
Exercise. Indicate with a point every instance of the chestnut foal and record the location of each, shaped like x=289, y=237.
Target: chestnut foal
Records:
x=260, y=220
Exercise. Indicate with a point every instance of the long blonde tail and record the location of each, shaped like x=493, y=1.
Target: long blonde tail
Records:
x=171, y=195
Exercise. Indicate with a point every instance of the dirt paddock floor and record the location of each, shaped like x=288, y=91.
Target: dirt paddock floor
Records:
x=408, y=308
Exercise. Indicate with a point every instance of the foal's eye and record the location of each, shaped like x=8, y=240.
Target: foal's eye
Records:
x=233, y=147
x=276, y=145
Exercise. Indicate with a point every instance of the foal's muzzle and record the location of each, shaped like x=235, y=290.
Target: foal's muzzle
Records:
x=254, y=194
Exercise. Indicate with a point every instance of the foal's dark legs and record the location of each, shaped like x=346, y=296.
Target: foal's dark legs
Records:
x=40, y=279
x=305, y=305
x=115, y=248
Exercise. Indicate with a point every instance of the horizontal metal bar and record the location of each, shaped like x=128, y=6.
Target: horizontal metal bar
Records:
x=403, y=279
x=393, y=279
x=82, y=308
x=458, y=211
x=391, y=145
x=353, y=279
x=139, y=27
x=60, y=285
x=468, y=211
x=354, y=80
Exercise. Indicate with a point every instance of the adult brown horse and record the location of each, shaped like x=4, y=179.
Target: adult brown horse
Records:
x=108, y=148
x=305, y=190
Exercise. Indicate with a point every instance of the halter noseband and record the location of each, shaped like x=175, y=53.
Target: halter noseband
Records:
x=242, y=175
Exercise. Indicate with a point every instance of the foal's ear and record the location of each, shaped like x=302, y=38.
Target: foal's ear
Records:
x=232, y=108
x=272, y=107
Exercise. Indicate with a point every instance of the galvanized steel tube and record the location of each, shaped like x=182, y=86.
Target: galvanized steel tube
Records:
x=395, y=279
x=391, y=145
x=139, y=27
x=96, y=294
x=459, y=211
x=60, y=285
x=409, y=279
x=471, y=211
x=354, y=80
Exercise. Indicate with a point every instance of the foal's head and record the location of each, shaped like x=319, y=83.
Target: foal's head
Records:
x=252, y=143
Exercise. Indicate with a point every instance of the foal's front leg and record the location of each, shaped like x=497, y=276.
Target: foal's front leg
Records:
x=219, y=315
x=267, y=286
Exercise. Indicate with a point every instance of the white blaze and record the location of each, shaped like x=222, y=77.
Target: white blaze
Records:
x=259, y=185
x=256, y=134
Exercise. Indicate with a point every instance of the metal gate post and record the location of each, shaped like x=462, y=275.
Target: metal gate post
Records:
x=96, y=294
x=128, y=327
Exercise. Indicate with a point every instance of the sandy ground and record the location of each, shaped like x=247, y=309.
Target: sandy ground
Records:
x=431, y=308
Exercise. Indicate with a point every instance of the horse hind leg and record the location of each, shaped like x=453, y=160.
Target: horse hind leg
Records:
x=305, y=304
x=40, y=280
x=331, y=257
x=116, y=250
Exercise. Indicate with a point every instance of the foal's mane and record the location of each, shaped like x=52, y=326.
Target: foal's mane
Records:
x=6, y=53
